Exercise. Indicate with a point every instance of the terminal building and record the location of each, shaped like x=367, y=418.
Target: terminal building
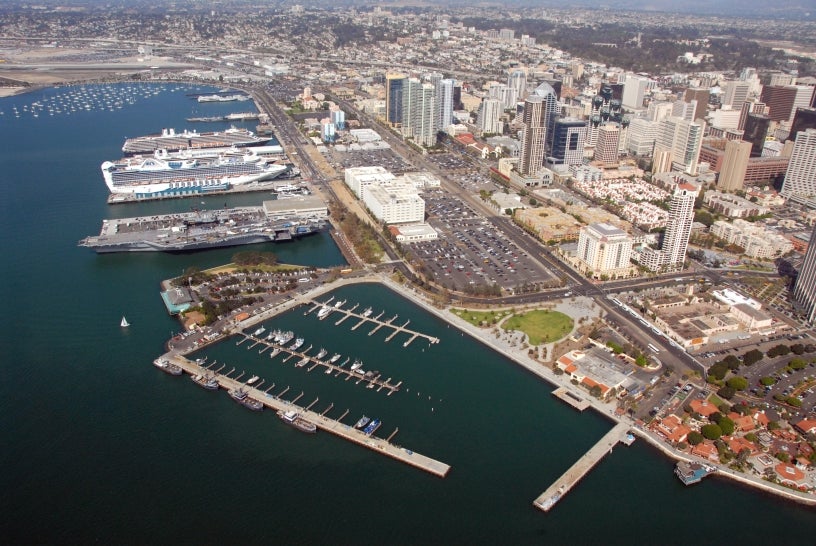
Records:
x=298, y=207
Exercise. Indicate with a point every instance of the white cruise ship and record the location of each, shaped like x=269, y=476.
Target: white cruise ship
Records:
x=157, y=177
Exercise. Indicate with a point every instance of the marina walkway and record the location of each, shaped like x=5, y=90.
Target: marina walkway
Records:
x=582, y=466
x=337, y=428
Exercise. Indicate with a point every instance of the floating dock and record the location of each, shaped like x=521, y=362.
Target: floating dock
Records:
x=582, y=466
x=322, y=422
x=376, y=321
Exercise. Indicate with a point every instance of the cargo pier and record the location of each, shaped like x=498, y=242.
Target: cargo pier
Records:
x=319, y=419
x=199, y=229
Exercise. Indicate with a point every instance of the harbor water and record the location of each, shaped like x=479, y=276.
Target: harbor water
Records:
x=100, y=446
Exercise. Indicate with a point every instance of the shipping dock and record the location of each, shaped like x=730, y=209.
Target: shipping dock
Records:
x=199, y=229
x=319, y=419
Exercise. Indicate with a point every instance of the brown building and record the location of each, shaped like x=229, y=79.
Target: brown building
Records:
x=779, y=99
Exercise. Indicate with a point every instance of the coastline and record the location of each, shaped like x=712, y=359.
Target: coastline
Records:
x=519, y=357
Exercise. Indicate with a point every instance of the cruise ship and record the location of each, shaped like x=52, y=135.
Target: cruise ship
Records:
x=223, y=98
x=172, y=141
x=156, y=177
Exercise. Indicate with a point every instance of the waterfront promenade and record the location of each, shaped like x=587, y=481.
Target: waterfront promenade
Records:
x=519, y=356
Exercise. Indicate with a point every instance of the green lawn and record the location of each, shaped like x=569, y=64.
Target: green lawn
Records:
x=541, y=326
x=480, y=318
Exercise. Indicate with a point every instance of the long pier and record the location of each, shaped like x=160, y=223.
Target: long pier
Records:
x=366, y=317
x=582, y=466
x=337, y=428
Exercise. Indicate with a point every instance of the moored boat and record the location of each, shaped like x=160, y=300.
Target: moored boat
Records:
x=293, y=418
x=207, y=381
x=297, y=344
x=323, y=352
x=367, y=312
x=335, y=357
x=252, y=380
x=356, y=365
x=302, y=362
x=362, y=422
x=238, y=394
x=259, y=331
x=167, y=367
x=372, y=427
x=251, y=403
x=323, y=312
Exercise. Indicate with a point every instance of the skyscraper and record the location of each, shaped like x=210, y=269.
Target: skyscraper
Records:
x=634, y=89
x=804, y=118
x=518, y=80
x=444, y=102
x=606, y=150
x=683, y=140
x=780, y=100
x=568, y=139
x=701, y=96
x=538, y=117
x=736, y=93
x=755, y=131
x=734, y=166
x=804, y=291
x=489, y=118
x=394, y=84
x=678, y=227
x=800, y=179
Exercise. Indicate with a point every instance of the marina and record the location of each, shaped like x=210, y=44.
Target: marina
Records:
x=196, y=230
x=255, y=399
x=326, y=308
x=582, y=466
x=372, y=379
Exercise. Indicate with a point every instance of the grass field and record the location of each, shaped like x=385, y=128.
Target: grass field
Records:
x=541, y=326
x=480, y=318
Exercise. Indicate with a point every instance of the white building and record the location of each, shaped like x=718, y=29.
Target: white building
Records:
x=358, y=178
x=634, y=90
x=800, y=179
x=604, y=248
x=756, y=241
x=672, y=253
x=489, y=119
x=394, y=203
x=681, y=141
x=641, y=137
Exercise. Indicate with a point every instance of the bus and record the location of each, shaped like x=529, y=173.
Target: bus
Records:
x=653, y=348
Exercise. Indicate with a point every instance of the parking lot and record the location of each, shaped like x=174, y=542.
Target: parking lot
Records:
x=386, y=159
x=471, y=253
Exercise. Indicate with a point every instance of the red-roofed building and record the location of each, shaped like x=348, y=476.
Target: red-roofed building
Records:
x=671, y=428
x=806, y=426
x=706, y=450
x=790, y=474
x=742, y=423
x=737, y=444
x=703, y=407
x=761, y=419
x=475, y=147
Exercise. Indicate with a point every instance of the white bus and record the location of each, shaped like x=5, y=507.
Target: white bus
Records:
x=653, y=348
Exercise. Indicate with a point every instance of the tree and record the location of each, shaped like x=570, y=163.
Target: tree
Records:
x=752, y=357
x=726, y=426
x=717, y=371
x=797, y=348
x=595, y=391
x=797, y=364
x=711, y=431
x=694, y=438
x=737, y=382
x=732, y=362
x=778, y=350
x=767, y=381
x=726, y=392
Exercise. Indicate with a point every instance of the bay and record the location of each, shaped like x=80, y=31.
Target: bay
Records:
x=99, y=446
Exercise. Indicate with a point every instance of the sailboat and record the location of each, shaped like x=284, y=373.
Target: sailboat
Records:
x=124, y=323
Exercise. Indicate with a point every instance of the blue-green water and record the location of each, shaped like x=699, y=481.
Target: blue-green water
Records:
x=99, y=446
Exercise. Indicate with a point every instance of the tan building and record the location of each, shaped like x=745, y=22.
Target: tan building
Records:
x=550, y=223
x=734, y=165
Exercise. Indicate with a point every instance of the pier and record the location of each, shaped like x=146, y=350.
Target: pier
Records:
x=363, y=318
x=582, y=466
x=574, y=400
x=322, y=422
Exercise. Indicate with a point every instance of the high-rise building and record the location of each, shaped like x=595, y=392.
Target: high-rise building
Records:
x=489, y=118
x=518, y=80
x=634, y=90
x=803, y=99
x=506, y=94
x=327, y=130
x=538, y=117
x=734, y=166
x=338, y=117
x=394, y=84
x=567, y=142
x=606, y=149
x=701, y=96
x=684, y=109
x=683, y=140
x=751, y=107
x=780, y=100
x=755, y=131
x=641, y=137
x=672, y=253
x=658, y=111
x=604, y=248
x=804, y=291
x=800, y=179
x=804, y=118
x=736, y=93
x=444, y=102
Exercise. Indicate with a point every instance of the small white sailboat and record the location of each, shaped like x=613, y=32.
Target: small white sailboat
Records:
x=124, y=323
